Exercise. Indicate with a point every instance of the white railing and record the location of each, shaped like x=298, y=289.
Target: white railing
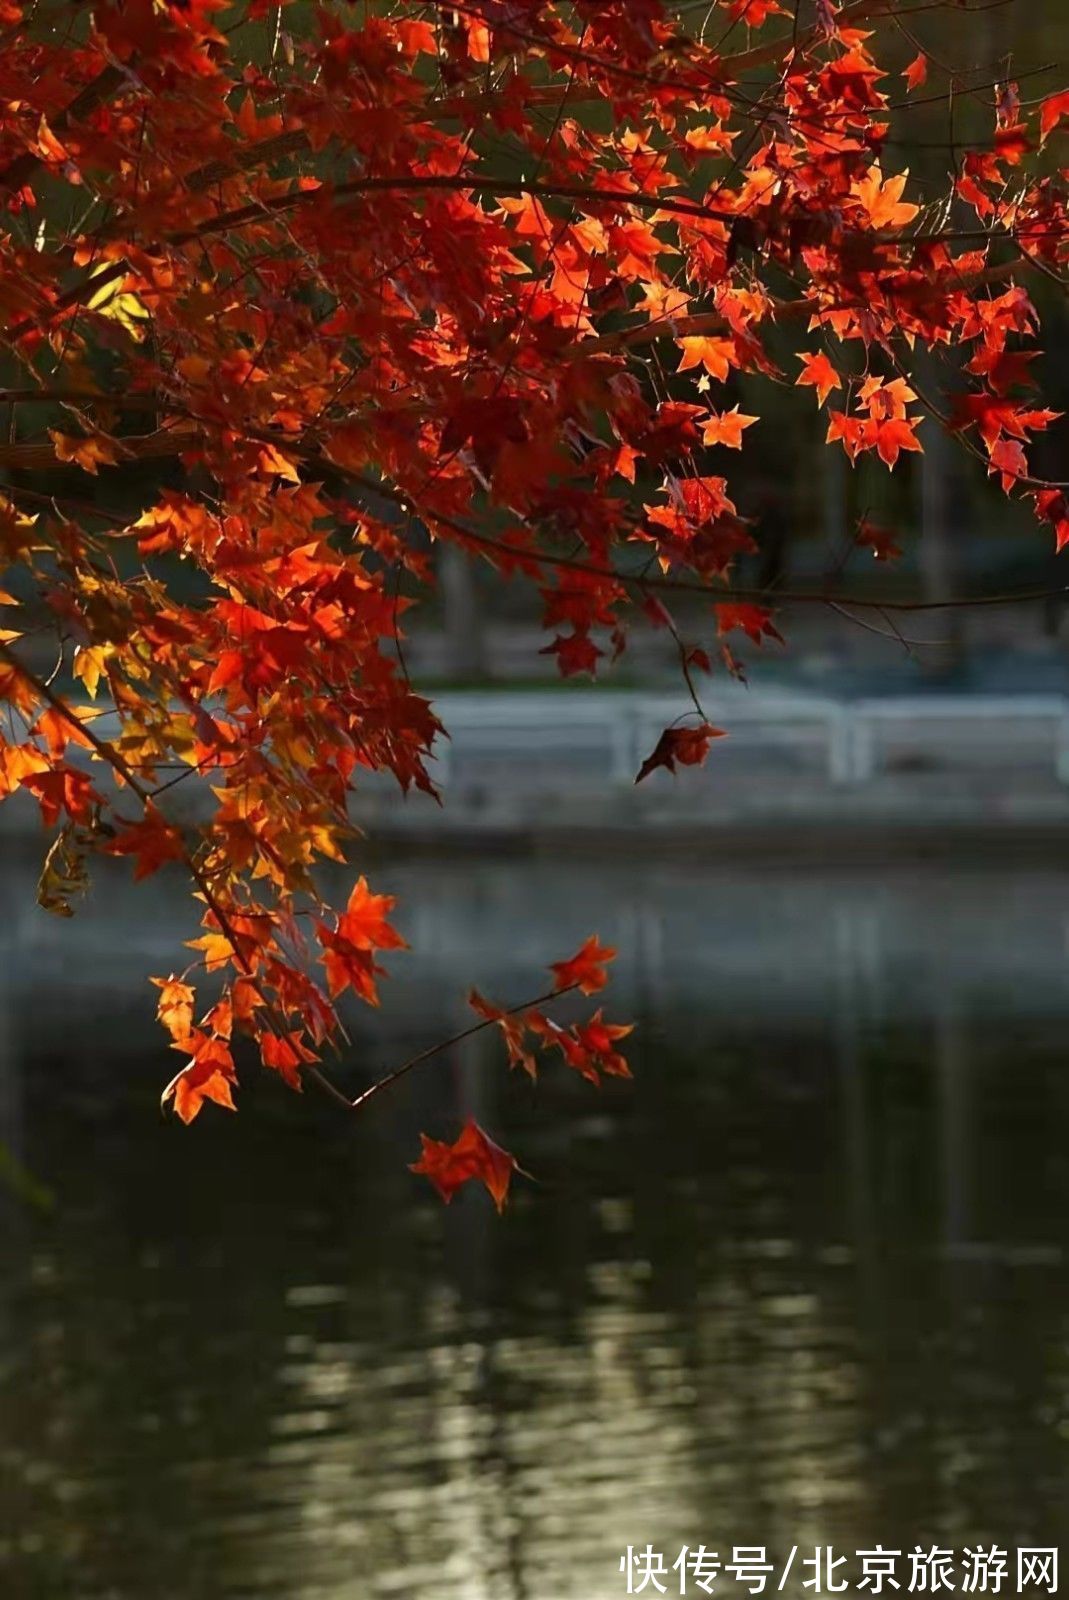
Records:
x=611, y=732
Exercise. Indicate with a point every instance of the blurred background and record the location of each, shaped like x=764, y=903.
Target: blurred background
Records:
x=802, y=1282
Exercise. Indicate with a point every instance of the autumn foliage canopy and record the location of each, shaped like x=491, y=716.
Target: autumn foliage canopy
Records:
x=293, y=293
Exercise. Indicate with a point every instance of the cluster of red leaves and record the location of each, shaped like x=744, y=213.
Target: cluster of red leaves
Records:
x=395, y=281
x=589, y=1048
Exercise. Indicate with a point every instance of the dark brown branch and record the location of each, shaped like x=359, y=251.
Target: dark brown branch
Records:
x=390, y=1078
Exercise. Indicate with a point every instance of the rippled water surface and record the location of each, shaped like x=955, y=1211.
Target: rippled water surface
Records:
x=803, y=1282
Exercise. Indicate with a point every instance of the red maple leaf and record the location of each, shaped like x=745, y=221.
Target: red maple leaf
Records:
x=210, y=1075
x=575, y=653
x=688, y=746
x=754, y=621
x=473, y=1155
x=818, y=371
x=586, y=969
x=917, y=71
x=152, y=841
x=1052, y=111
x=893, y=436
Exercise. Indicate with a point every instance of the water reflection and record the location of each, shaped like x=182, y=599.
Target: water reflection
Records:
x=803, y=1282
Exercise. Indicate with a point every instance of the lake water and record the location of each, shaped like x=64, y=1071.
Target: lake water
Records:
x=802, y=1283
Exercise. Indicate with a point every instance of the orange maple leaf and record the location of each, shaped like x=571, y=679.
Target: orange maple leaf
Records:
x=727, y=428
x=210, y=1075
x=917, y=71
x=882, y=198
x=89, y=454
x=363, y=922
x=818, y=371
x=473, y=1155
x=715, y=355
x=586, y=969
x=893, y=436
x=175, y=1006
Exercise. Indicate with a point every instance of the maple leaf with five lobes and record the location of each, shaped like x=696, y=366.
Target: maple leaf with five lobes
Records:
x=61, y=788
x=754, y=621
x=586, y=969
x=818, y=371
x=473, y=1155
x=715, y=355
x=896, y=435
x=727, y=428
x=885, y=399
x=347, y=949
x=882, y=198
x=1009, y=460
x=598, y=1038
x=662, y=301
x=575, y=653
x=363, y=922
x=210, y=1075
x=152, y=841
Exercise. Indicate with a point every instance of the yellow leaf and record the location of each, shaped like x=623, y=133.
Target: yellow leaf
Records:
x=119, y=303
x=89, y=664
x=273, y=461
